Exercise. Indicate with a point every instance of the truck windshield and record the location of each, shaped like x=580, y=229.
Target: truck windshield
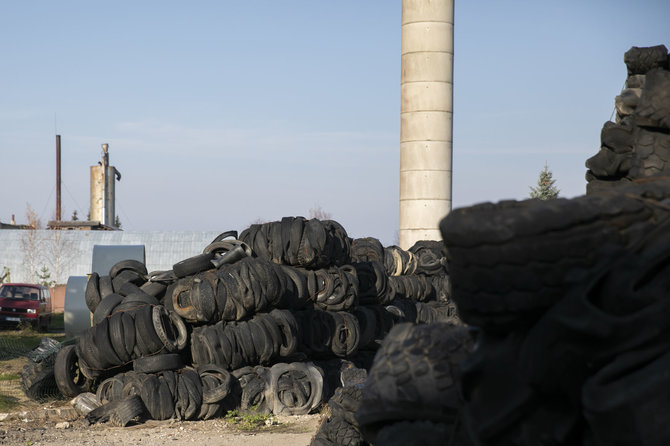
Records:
x=19, y=292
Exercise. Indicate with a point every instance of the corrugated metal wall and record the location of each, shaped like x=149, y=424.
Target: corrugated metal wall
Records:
x=69, y=253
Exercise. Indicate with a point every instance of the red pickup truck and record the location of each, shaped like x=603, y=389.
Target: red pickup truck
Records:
x=25, y=302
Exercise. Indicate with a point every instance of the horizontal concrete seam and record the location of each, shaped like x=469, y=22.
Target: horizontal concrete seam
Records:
x=425, y=110
x=425, y=140
x=419, y=229
x=425, y=170
x=434, y=228
x=403, y=53
x=428, y=111
x=427, y=21
x=425, y=199
x=426, y=82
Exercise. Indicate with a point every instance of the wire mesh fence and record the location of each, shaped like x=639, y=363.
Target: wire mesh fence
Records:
x=26, y=362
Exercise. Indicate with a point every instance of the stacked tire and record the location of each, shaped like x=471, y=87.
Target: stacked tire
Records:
x=570, y=302
x=272, y=314
x=637, y=144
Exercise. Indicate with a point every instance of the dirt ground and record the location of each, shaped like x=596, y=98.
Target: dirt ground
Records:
x=27, y=429
x=56, y=423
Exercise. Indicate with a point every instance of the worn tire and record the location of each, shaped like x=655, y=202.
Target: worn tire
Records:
x=415, y=376
x=158, y=363
x=192, y=265
x=133, y=265
x=641, y=60
x=69, y=378
x=38, y=381
x=92, y=293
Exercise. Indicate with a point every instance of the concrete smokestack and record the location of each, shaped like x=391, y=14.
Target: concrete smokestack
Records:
x=103, y=193
x=426, y=92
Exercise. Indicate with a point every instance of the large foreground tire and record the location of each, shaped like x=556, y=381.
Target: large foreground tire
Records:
x=415, y=377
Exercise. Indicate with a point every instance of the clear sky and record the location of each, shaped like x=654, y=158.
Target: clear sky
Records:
x=222, y=113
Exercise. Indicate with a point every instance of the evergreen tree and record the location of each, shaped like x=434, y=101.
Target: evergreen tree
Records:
x=117, y=222
x=44, y=277
x=545, y=189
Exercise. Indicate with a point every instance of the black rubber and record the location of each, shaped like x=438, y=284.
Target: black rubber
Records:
x=653, y=108
x=108, y=357
x=129, y=288
x=345, y=402
x=367, y=249
x=222, y=380
x=346, y=334
x=127, y=276
x=146, y=338
x=295, y=388
x=224, y=235
x=69, y=379
x=38, y=381
x=179, y=298
x=163, y=328
x=264, y=345
x=337, y=431
x=510, y=261
x=367, y=327
x=117, y=336
x=192, y=265
x=253, y=382
x=106, y=288
x=193, y=386
x=403, y=433
x=431, y=257
x=139, y=298
x=289, y=331
x=399, y=262
x=156, y=289
x=158, y=363
x=133, y=265
x=640, y=60
x=92, y=293
x=299, y=242
x=415, y=376
x=203, y=289
x=127, y=410
x=372, y=282
x=106, y=306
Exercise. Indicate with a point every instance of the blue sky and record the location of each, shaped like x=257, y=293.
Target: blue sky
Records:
x=221, y=113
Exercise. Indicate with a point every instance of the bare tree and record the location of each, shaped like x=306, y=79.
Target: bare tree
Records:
x=317, y=212
x=31, y=243
x=60, y=252
x=258, y=221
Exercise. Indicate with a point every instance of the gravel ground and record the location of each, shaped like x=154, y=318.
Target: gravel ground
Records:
x=61, y=426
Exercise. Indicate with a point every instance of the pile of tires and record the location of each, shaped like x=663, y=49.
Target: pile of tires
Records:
x=412, y=394
x=637, y=144
x=262, y=320
x=570, y=302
